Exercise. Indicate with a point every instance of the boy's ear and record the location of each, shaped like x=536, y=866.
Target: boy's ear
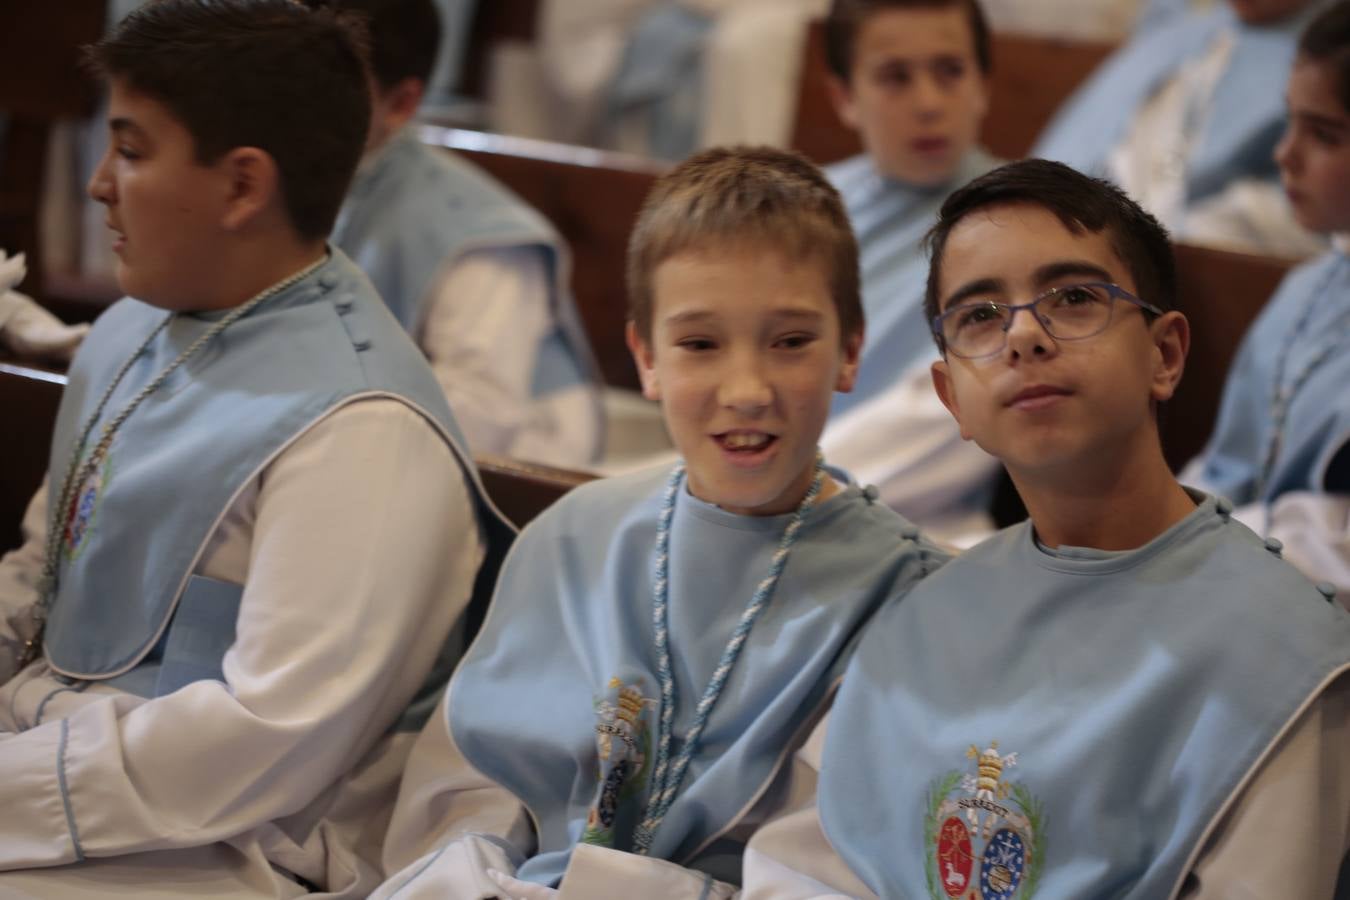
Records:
x=848, y=370
x=646, y=362
x=405, y=97
x=1171, y=334
x=253, y=184
x=841, y=98
x=942, y=383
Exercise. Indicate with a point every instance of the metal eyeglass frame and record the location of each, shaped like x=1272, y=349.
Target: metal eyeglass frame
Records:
x=1115, y=291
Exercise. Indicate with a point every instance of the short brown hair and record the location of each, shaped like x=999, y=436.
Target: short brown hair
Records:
x=270, y=74
x=847, y=16
x=1082, y=204
x=771, y=197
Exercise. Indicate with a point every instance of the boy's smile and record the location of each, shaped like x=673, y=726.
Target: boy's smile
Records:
x=916, y=94
x=744, y=356
x=1043, y=402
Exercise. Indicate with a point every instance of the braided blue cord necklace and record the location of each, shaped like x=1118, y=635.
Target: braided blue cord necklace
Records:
x=667, y=774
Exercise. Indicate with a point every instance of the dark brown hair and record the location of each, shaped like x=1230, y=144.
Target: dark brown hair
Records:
x=1326, y=41
x=846, y=17
x=271, y=74
x=405, y=36
x=1082, y=204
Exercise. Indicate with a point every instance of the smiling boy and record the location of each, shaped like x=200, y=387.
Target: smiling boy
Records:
x=258, y=534
x=912, y=78
x=1281, y=446
x=658, y=643
x=1128, y=695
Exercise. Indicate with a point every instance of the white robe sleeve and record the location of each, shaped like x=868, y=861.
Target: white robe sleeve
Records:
x=343, y=611
x=1290, y=828
x=905, y=442
x=789, y=858
x=452, y=826
x=20, y=570
x=487, y=318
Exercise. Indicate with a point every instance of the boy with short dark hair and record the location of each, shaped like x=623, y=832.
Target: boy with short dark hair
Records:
x=912, y=78
x=247, y=572
x=1281, y=445
x=1126, y=695
x=659, y=642
x=476, y=276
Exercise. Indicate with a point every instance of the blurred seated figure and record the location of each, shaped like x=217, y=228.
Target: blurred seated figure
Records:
x=1185, y=118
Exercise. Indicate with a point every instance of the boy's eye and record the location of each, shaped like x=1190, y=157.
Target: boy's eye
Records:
x=895, y=75
x=1078, y=296
x=794, y=341
x=1326, y=137
x=949, y=69
x=978, y=314
x=695, y=344
x=126, y=152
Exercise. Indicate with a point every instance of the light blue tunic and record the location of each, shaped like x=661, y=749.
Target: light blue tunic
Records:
x=890, y=219
x=128, y=607
x=415, y=210
x=660, y=79
x=1241, y=124
x=1296, y=352
x=564, y=669
x=1069, y=723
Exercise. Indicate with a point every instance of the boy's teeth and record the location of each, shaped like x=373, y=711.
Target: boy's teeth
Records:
x=743, y=441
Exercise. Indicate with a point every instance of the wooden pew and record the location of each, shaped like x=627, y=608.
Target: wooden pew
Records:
x=39, y=43
x=494, y=21
x=592, y=197
x=29, y=397
x=1220, y=293
x=1031, y=77
x=523, y=490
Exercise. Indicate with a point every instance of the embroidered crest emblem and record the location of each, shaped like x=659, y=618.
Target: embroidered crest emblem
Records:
x=84, y=506
x=984, y=833
x=623, y=743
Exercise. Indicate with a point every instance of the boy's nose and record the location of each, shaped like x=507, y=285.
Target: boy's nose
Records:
x=745, y=389
x=929, y=98
x=1028, y=337
x=100, y=186
x=1286, y=155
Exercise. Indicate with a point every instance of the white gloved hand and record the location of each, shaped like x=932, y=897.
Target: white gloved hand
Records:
x=26, y=329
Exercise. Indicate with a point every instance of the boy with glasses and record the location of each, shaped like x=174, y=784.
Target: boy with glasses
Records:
x=1128, y=695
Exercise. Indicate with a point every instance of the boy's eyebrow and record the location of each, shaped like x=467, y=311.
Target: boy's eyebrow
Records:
x=1072, y=267
x=1079, y=268
x=786, y=312
x=122, y=125
x=1332, y=122
x=980, y=286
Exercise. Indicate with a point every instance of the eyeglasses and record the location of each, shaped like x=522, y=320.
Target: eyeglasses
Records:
x=1069, y=313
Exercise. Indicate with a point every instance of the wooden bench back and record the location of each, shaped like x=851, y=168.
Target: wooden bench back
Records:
x=30, y=398
x=40, y=46
x=523, y=490
x=1221, y=293
x=592, y=197
x=1032, y=77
